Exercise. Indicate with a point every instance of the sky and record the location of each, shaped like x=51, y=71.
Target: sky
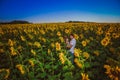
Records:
x=42, y=11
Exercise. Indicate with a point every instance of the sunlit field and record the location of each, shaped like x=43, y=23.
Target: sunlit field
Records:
x=38, y=51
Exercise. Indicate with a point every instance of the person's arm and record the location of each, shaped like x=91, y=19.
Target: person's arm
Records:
x=69, y=45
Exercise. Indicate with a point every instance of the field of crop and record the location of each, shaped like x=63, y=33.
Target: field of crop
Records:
x=38, y=51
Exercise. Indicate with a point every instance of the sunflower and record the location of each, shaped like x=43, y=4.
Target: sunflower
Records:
x=58, y=47
x=61, y=57
x=20, y=68
x=58, y=33
x=52, y=45
x=10, y=42
x=37, y=44
x=49, y=51
x=77, y=52
x=115, y=35
x=96, y=53
x=67, y=31
x=81, y=36
x=84, y=43
x=61, y=39
x=76, y=36
x=22, y=38
x=79, y=64
x=12, y=51
x=84, y=76
x=112, y=72
x=86, y=55
x=105, y=41
x=31, y=62
x=7, y=72
x=33, y=52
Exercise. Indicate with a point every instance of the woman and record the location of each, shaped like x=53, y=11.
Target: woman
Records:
x=71, y=45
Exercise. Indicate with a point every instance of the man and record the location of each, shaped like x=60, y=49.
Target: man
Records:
x=72, y=46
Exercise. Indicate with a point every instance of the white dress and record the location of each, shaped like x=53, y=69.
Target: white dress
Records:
x=73, y=43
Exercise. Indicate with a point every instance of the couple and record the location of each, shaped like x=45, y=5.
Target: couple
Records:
x=71, y=45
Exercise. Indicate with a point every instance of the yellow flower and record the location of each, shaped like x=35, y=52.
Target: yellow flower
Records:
x=33, y=52
x=84, y=76
x=58, y=33
x=99, y=31
x=117, y=68
x=22, y=38
x=19, y=47
x=8, y=73
x=76, y=36
x=30, y=36
x=86, y=55
x=78, y=63
x=31, y=63
x=91, y=38
x=107, y=66
x=91, y=28
x=105, y=41
x=12, y=51
x=112, y=72
x=58, y=47
x=2, y=51
x=30, y=44
x=42, y=32
x=81, y=36
x=108, y=69
x=116, y=78
x=43, y=39
x=107, y=34
x=61, y=57
x=20, y=68
x=49, y=51
x=111, y=29
x=67, y=31
x=115, y=35
x=61, y=39
x=77, y=52
x=87, y=40
x=86, y=28
x=75, y=60
x=10, y=42
x=52, y=45
x=37, y=44
x=96, y=53
x=84, y=43
x=112, y=49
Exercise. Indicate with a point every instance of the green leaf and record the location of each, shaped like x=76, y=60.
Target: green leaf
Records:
x=43, y=75
x=47, y=66
x=31, y=75
x=68, y=76
x=87, y=64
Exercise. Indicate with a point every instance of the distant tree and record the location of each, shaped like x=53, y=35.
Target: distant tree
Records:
x=74, y=21
x=16, y=22
x=19, y=22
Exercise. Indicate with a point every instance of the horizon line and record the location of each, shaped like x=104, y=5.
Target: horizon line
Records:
x=73, y=21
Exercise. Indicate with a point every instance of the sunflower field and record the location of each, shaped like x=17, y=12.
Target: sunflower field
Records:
x=38, y=51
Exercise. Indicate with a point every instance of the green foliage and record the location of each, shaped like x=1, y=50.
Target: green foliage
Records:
x=33, y=46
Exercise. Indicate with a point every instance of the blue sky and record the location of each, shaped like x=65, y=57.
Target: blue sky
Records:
x=60, y=10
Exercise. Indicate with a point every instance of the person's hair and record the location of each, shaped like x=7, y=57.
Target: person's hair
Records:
x=65, y=37
x=72, y=34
